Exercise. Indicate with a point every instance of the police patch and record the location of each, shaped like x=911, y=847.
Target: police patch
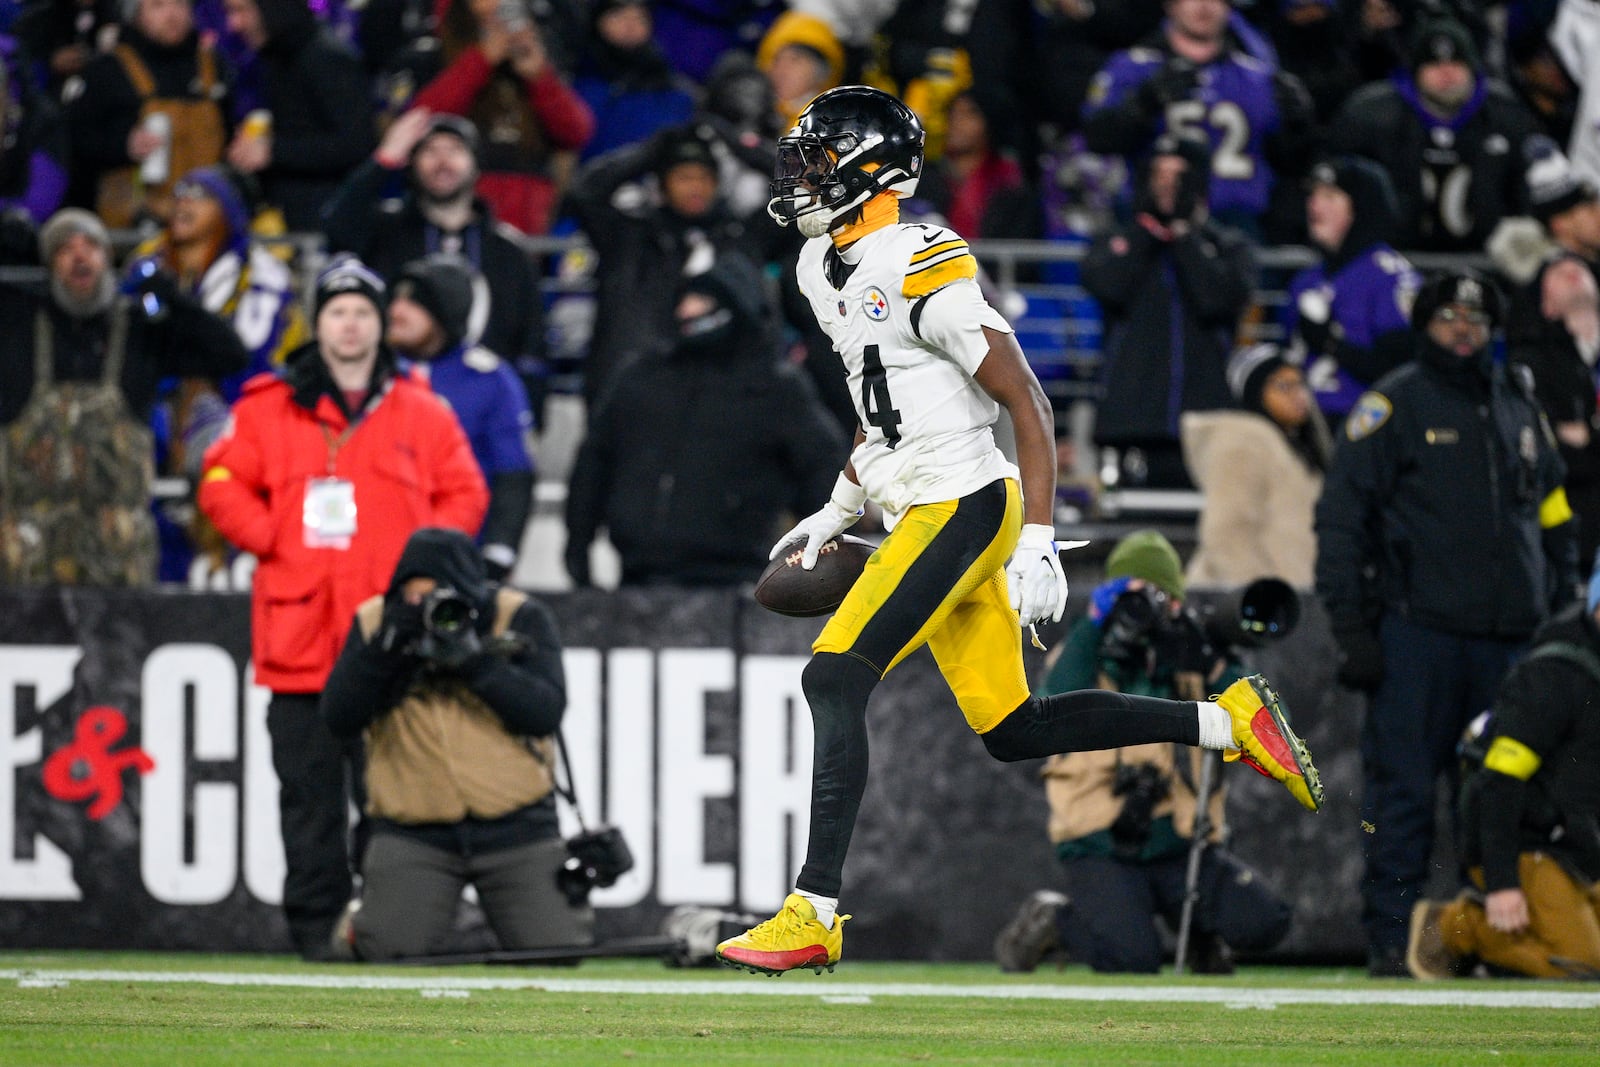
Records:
x=1370, y=412
x=876, y=305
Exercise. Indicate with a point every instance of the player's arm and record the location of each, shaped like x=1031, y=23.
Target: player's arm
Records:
x=1005, y=375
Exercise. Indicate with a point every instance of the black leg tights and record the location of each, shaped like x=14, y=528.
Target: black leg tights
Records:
x=1090, y=719
x=837, y=687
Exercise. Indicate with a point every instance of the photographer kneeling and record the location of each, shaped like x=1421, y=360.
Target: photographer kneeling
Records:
x=1122, y=819
x=459, y=688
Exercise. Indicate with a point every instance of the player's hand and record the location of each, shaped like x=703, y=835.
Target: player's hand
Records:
x=1038, y=585
x=817, y=529
x=1506, y=910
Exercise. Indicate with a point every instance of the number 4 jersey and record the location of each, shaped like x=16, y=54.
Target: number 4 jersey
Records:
x=902, y=307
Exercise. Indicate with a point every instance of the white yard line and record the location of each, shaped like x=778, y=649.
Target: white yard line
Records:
x=809, y=986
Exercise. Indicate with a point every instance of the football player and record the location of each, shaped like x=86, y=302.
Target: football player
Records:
x=930, y=364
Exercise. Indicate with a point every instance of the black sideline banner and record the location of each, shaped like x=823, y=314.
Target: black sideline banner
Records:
x=138, y=805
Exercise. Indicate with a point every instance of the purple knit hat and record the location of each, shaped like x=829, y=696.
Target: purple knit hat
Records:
x=218, y=184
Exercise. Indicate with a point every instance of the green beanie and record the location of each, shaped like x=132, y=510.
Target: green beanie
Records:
x=1146, y=554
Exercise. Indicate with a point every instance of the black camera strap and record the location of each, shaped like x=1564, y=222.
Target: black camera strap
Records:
x=569, y=791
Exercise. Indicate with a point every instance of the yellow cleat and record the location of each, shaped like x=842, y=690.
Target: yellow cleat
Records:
x=1265, y=741
x=790, y=939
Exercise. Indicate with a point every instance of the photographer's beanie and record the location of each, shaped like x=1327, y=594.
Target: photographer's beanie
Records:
x=1146, y=554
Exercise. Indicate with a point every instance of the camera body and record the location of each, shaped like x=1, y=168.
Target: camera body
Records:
x=596, y=857
x=1141, y=786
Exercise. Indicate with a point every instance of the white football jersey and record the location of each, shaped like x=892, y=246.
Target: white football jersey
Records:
x=908, y=323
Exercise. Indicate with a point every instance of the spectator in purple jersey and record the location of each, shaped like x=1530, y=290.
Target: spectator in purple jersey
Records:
x=1349, y=316
x=33, y=152
x=1450, y=138
x=1172, y=285
x=1196, y=74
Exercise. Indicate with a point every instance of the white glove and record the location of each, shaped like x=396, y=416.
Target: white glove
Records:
x=1038, y=586
x=817, y=529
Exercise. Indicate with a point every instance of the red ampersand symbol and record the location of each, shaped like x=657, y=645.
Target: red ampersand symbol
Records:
x=88, y=768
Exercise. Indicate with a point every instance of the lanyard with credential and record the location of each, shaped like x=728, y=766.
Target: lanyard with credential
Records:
x=329, y=514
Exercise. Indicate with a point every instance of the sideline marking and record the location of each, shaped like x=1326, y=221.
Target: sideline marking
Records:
x=1230, y=997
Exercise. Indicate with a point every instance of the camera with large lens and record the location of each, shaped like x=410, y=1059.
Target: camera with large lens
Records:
x=1141, y=629
x=595, y=857
x=1141, y=786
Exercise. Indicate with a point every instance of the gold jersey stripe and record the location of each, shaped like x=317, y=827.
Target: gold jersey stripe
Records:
x=934, y=250
x=936, y=276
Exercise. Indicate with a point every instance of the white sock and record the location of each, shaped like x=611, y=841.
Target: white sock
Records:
x=1216, y=726
x=826, y=907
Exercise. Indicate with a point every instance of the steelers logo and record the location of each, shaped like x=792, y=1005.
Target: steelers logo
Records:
x=876, y=305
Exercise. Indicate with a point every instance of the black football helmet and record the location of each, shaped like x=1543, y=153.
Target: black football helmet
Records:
x=848, y=145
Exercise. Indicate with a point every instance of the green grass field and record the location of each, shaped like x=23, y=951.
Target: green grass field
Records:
x=65, y=1009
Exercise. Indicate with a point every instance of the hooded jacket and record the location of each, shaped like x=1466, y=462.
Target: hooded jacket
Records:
x=1171, y=309
x=454, y=745
x=409, y=464
x=697, y=453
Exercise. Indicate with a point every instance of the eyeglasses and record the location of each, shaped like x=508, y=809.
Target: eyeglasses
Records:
x=1471, y=318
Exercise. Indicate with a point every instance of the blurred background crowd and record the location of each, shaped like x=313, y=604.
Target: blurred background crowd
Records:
x=551, y=174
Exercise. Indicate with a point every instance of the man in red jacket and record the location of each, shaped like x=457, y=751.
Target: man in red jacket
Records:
x=324, y=471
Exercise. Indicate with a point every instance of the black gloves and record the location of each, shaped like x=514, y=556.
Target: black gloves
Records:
x=1360, y=657
x=1173, y=82
x=400, y=629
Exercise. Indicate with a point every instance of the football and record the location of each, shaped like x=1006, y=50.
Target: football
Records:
x=788, y=590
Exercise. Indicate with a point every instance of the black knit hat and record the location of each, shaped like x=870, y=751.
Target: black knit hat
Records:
x=1248, y=371
x=441, y=285
x=1466, y=287
x=347, y=274
x=1553, y=186
x=1442, y=40
x=683, y=144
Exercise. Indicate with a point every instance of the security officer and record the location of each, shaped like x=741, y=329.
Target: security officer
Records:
x=1444, y=539
x=1529, y=820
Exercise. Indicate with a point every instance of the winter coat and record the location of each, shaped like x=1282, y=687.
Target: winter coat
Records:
x=693, y=465
x=1442, y=485
x=410, y=465
x=1171, y=309
x=1260, y=495
x=1454, y=179
x=316, y=89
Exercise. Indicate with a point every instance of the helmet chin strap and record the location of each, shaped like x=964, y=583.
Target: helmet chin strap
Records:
x=814, y=223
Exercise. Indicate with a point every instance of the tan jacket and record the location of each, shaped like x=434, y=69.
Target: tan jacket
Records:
x=1256, y=521
x=1078, y=788
x=442, y=755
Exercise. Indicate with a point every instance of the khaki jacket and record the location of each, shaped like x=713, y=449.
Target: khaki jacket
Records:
x=1078, y=788
x=442, y=755
x=1256, y=521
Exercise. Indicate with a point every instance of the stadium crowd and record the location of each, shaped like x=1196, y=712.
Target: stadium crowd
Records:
x=258, y=163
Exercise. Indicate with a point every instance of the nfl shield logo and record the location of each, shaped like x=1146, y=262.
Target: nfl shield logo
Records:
x=877, y=307
x=841, y=309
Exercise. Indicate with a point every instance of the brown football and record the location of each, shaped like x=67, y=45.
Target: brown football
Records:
x=787, y=589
